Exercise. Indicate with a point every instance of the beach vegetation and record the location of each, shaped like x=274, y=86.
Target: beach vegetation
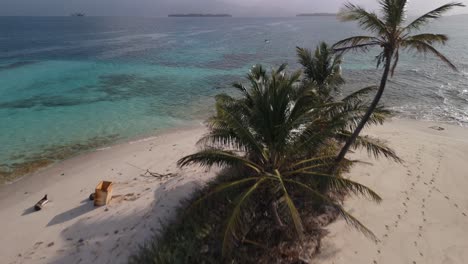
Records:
x=274, y=140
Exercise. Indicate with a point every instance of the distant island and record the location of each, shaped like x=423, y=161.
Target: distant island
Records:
x=316, y=14
x=77, y=14
x=199, y=15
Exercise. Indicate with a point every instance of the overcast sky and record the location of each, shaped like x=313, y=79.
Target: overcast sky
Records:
x=163, y=7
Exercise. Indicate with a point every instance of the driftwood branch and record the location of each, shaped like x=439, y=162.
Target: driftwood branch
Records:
x=160, y=176
x=149, y=173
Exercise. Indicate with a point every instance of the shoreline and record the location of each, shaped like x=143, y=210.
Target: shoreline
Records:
x=148, y=136
x=70, y=228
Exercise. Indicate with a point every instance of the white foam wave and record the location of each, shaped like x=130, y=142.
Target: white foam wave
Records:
x=104, y=148
x=199, y=32
x=143, y=140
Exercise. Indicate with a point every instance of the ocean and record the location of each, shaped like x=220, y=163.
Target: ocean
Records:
x=73, y=84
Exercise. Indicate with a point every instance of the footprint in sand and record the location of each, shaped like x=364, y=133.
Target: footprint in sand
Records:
x=38, y=244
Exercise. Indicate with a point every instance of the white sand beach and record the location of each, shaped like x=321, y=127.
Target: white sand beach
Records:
x=70, y=229
x=424, y=214
x=423, y=218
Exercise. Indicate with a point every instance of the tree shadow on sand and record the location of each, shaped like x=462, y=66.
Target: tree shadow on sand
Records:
x=112, y=238
x=85, y=207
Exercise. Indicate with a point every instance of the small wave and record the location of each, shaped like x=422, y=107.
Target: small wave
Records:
x=199, y=32
x=105, y=148
x=444, y=113
x=143, y=140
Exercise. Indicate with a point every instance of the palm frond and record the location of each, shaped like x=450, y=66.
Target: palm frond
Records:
x=367, y=20
x=348, y=217
x=394, y=12
x=356, y=43
x=231, y=232
x=281, y=68
x=395, y=62
x=235, y=122
x=342, y=184
x=224, y=187
x=222, y=138
x=321, y=159
x=292, y=208
x=423, y=47
x=321, y=69
x=429, y=38
x=374, y=147
x=220, y=157
x=432, y=15
x=304, y=55
x=352, y=112
x=360, y=93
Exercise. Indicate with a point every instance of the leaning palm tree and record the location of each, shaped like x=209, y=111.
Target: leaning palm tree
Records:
x=391, y=34
x=322, y=76
x=280, y=138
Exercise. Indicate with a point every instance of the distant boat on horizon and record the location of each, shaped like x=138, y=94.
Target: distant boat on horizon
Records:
x=199, y=15
x=316, y=14
x=78, y=14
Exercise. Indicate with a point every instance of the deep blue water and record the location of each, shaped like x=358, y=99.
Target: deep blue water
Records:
x=68, y=84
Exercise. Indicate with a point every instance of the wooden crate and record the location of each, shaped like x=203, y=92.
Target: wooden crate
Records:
x=103, y=193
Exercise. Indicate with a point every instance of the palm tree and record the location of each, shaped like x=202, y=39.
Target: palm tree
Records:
x=282, y=140
x=322, y=75
x=322, y=70
x=391, y=35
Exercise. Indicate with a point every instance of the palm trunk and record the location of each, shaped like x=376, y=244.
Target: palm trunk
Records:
x=383, y=82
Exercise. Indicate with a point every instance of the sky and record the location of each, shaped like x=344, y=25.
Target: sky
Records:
x=164, y=7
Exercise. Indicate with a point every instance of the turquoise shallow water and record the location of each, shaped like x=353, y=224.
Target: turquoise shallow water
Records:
x=69, y=84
